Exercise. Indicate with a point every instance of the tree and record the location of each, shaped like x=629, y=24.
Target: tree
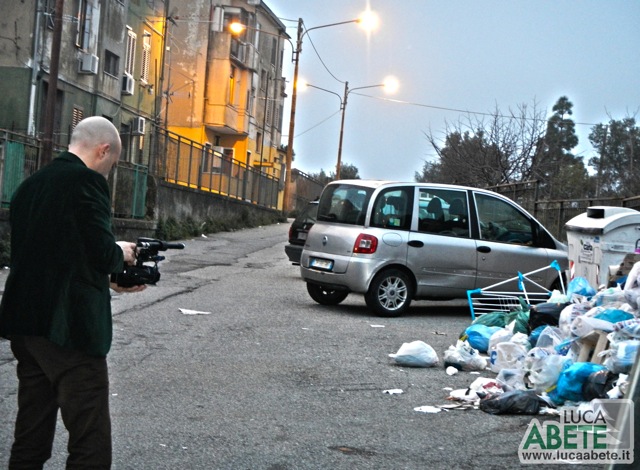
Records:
x=347, y=172
x=488, y=150
x=618, y=145
x=561, y=174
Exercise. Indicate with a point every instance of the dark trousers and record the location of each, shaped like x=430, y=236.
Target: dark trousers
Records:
x=52, y=378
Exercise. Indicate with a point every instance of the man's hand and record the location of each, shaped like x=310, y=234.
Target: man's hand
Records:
x=129, y=252
x=120, y=289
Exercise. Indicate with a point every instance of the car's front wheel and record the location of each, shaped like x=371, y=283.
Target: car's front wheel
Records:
x=325, y=296
x=390, y=293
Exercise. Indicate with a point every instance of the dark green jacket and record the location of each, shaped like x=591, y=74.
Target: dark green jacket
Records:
x=62, y=252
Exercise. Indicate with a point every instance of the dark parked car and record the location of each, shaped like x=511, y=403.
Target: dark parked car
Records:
x=298, y=231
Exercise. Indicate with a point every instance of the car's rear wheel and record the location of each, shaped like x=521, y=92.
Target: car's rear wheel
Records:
x=325, y=296
x=390, y=293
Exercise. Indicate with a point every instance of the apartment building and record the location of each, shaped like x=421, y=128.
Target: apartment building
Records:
x=226, y=90
x=195, y=104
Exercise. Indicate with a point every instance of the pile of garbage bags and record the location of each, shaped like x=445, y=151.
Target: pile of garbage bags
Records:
x=546, y=355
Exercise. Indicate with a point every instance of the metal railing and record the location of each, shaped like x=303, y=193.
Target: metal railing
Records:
x=188, y=163
x=19, y=157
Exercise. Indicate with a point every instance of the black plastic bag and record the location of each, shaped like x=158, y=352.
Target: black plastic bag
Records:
x=514, y=402
x=547, y=313
x=598, y=384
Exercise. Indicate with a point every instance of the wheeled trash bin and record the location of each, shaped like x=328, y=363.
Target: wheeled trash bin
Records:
x=600, y=238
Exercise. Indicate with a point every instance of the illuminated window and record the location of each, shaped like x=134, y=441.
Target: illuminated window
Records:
x=146, y=56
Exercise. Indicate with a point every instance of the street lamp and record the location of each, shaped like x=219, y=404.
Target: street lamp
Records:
x=390, y=84
x=367, y=20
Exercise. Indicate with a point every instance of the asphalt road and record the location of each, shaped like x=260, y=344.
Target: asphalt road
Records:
x=267, y=379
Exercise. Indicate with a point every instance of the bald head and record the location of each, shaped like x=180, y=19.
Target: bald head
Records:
x=96, y=141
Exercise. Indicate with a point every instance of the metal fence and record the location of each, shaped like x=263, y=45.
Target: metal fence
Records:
x=171, y=157
x=19, y=156
x=129, y=190
x=188, y=163
x=555, y=214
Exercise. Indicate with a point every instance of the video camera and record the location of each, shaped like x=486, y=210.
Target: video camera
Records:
x=142, y=273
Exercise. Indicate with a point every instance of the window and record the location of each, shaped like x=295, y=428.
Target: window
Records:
x=76, y=117
x=344, y=204
x=232, y=85
x=249, y=103
x=129, y=61
x=501, y=222
x=216, y=160
x=125, y=138
x=146, y=56
x=274, y=51
x=279, y=117
x=269, y=105
x=84, y=24
x=111, y=63
x=443, y=211
x=392, y=209
x=263, y=80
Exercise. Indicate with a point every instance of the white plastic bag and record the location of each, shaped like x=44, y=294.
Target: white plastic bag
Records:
x=522, y=340
x=622, y=356
x=544, y=371
x=512, y=379
x=500, y=336
x=507, y=355
x=415, y=354
x=584, y=326
x=550, y=337
x=463, y=357
x=568, y=314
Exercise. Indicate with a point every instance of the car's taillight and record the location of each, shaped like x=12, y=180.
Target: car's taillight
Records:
x=291, y=232
x=365, y=244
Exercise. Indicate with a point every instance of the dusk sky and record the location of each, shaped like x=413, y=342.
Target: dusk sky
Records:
x=452, y=57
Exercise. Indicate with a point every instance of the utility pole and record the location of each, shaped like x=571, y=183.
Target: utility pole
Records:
x=292, y=121
x=52, y=90
x=601, y=162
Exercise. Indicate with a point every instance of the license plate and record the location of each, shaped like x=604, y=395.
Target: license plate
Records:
x=319, y=263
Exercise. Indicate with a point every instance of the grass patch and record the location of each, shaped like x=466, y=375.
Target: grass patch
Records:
x=172, y=229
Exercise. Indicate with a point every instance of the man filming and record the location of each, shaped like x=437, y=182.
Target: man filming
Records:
x=56, y=306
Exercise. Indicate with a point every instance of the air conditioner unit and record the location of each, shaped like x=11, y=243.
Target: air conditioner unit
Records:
x=88, y=63
x=127, y=84
x=138, y=125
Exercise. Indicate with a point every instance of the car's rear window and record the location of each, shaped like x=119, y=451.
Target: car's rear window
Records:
x=308, y=214
x=344, y=203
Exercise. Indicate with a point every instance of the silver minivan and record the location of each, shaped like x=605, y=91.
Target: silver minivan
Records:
x=397, y=242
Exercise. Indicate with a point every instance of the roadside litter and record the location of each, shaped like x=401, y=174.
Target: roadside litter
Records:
x=415, y=354
x=187, y=311
x=577, y=348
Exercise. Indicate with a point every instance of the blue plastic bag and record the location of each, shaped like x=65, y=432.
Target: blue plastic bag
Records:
x=535, y=334
x=478, y=336
x=571, y=380
x=614, y=315
x=580, y=286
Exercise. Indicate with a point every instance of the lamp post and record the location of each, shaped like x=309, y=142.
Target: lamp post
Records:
x=294, y=99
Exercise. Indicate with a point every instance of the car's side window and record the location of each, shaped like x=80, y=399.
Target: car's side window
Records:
x=443, y=212
x=392, y=209
x=500, y=221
